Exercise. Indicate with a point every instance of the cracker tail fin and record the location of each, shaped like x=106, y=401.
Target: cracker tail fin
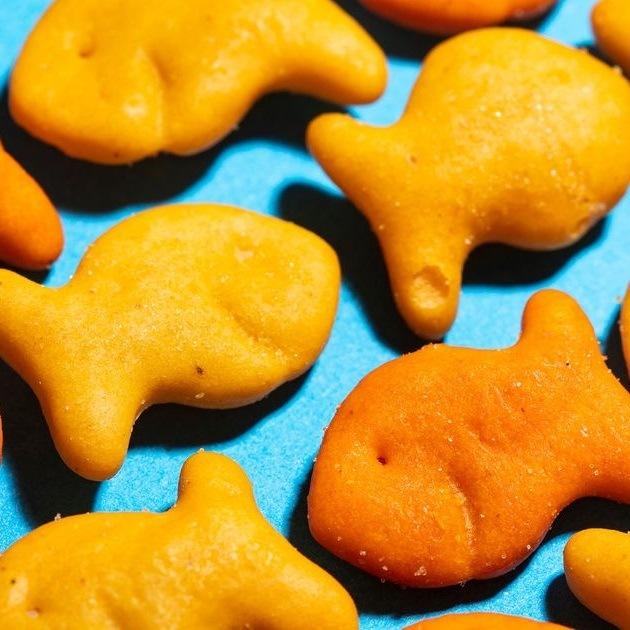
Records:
x=589, y=396
x=424, y=256
x=216, y=485
x=90, y=416
x=332, y=56
x=207, y=478
x=554, y=321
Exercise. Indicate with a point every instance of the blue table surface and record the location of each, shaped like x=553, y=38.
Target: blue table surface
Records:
x=264, y=166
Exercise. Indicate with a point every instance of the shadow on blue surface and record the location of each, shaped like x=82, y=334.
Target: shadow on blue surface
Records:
x=562, y=607
x=347, y=231
x=90, y=188
x=47, y=487
x=336, y=220
x=178, y=426
x=394, y=40
x=501, y=265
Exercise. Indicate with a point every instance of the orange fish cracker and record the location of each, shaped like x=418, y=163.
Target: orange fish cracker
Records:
x=483, y=621
x=451, y=464
x=203, y=305
x=115, y=81
x=453, y=16
x=611, y=23
x=211, y=561
x=508, y=137
x=597, y=567
x=31, y=236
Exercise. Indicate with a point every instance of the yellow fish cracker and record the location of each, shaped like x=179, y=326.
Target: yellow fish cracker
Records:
x=203, y=305
x=508, y=137
x=211, y=561
x=115, y=81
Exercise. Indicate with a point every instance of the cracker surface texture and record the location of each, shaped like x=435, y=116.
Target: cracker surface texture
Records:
x=203, y=305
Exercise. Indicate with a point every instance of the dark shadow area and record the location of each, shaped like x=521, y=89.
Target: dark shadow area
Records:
x=595, y=52
x=602, y=56
x=539, y=20
x=614, y=352
x=396, y=41
x=587, y=513
x=405, y=43
x=45, y=485
x=502, y=265
x=335, y=219
x=178, y=426
x=281, y=117
x=563, y=608
x=374, y=597
x=84, y=187
x=34, y=276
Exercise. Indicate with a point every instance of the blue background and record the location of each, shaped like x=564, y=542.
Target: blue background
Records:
x=264, y=166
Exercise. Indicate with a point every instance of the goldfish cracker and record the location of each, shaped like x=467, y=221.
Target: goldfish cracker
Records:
x=211, y=561
x=31, y=236
x=451, y=464
x=625, y=328
x=508, y=137
x=115, y=81
x=597, y=567
x=453, y=16
x=202, y=305
x=611, y=23
x=483, y=621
